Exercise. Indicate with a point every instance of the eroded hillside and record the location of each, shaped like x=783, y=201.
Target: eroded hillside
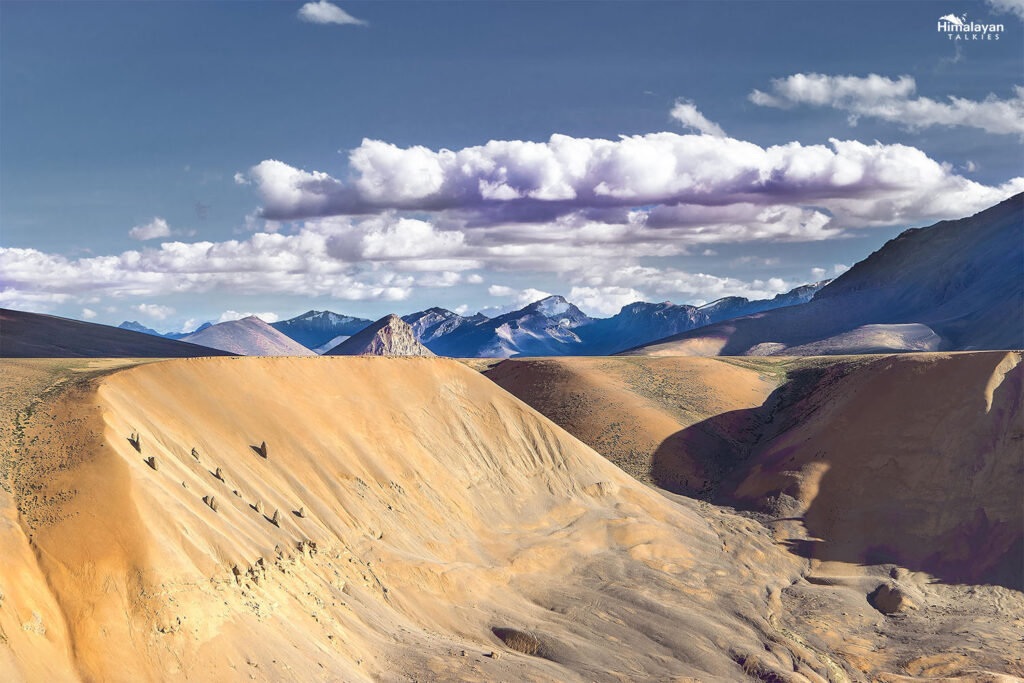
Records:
x=428, y=525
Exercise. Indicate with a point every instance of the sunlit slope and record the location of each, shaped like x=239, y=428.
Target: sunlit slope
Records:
x=677, y=422
x=910, y=459
x=423, y=513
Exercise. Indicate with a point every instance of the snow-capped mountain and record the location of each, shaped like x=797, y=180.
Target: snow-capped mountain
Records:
x=435, y=323
x=314, y=329
x=543, y=328
x=551, y=326
x=555, y=327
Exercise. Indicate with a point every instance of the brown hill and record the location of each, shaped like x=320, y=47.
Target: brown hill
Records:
x=34, y=335
x=631, y=409
x=913, y=460
x=389, y=336
x=248, y=337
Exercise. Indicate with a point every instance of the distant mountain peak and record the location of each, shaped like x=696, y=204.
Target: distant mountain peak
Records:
x=389, y=336
x=249, y=336
x=313, y=329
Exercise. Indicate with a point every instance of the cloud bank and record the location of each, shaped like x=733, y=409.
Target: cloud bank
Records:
x=894, y=100
x=814, y=190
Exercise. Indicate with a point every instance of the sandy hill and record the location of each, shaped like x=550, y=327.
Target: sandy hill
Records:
x=631, y=409
x=960, y=282
x=248, y=337
x=870, y=454
x=389, y=336
x=33, y=335
x=443, y=530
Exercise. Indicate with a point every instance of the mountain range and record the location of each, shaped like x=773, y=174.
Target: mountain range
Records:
x=955, y=285
x=952, y=286
x=551, y=326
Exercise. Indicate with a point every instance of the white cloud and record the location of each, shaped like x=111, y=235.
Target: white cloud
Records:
x=306, y=262
x=462, y=309
x=681, y=286
x=241, y=179
x=520, y=297
x=235, y=315
x=818, y=274
x=323, y=12
x=1014, y=6
x=444, y=278
x=894, y=100
x=28, y=299
x=475, y=279
x=604, y=301
x=686, y=113
x=501, y=290
x=389, y=238
x=803, y=191
x=155, y=311
x=88, y=314
x=155, y=228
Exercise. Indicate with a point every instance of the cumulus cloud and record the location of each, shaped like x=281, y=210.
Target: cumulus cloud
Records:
x=682, y=286
x=155, y=311
x=28, y=299
x=302, y=263
x=686, y=113
x=88, y=314
x=323, y=12
x=604, y=301
x=235, y=315
x=520, y=297
x=390, y=238
x=804, y=191
x=155, y=228
x=894, y=99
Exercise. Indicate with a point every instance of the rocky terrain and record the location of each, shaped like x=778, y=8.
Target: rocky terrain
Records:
x=389, y=336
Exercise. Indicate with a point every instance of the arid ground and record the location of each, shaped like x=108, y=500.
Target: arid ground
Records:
x=397, y=519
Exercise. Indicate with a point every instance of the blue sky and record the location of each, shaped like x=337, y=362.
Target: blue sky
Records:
x=164, y=116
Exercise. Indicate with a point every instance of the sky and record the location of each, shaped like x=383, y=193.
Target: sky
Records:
x=177, y=162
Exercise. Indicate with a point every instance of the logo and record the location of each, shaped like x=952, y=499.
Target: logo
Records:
x=958, y=28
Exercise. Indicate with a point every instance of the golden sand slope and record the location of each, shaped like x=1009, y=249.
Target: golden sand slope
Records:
x=899, y=470
x=637, y=411
x=439, y=513
x=432, y=527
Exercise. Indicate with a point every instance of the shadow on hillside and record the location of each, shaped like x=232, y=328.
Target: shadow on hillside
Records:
x=709, y=460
